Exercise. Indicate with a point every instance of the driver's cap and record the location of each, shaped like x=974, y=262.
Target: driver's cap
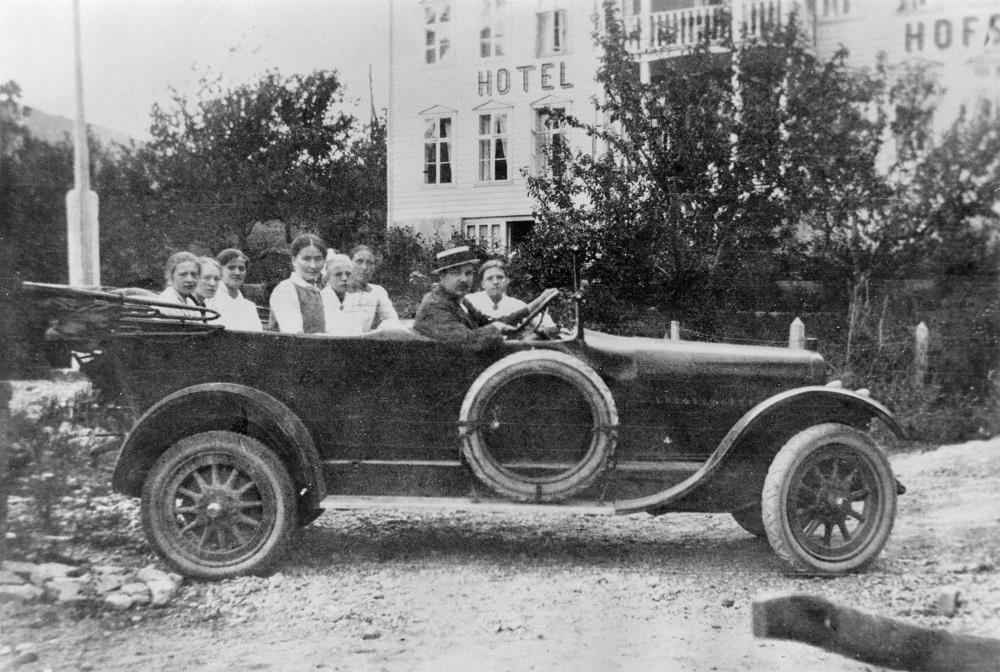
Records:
x=456, y=256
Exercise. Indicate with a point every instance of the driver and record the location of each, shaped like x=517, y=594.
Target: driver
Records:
x=444, y=316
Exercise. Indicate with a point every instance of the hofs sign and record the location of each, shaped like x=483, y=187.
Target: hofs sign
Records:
x=968, y=32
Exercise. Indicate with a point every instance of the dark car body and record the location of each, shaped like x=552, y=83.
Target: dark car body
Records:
x=690, y=426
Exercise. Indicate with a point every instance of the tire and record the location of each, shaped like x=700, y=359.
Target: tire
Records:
x=219, y=504
x=835, y=480
x=538, y=425
x=751, y=519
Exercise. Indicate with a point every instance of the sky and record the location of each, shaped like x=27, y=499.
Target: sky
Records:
x=133, y=51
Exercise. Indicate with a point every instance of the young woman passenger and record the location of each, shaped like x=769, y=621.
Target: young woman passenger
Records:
x=181, y=273
x=373, y=300
x=493, y=300
x=296, y=303
x=208, y=281
x=236, y=313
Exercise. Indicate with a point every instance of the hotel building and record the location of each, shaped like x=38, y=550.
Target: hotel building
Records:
x=473, y=83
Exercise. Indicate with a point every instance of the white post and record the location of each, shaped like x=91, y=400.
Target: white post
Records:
x=675, y=330
x=922, y=334
x=797, y=335
x=82, y=232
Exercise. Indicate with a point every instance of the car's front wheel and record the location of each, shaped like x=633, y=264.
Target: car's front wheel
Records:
x=829, y=500
x=218, y=504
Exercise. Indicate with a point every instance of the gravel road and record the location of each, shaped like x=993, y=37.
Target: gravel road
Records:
x=491, y=592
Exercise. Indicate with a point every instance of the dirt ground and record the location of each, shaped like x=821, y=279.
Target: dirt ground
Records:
x=491, y=592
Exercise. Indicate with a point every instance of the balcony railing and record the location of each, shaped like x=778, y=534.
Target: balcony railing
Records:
x=680, y=29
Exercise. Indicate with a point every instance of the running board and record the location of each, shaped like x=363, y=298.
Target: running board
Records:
x=362, y=502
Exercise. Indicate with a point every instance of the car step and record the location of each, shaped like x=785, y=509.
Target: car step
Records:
x=356, y=502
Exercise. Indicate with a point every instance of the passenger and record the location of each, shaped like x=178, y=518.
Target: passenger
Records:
x=444, y=316
x=236, y=313
x=296, y=303
x=208, y=281
x=340, y=299
x=493, y=299
x=374, y=300
x=181, y=273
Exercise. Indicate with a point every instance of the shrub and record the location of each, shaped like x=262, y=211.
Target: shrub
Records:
x=59, y=480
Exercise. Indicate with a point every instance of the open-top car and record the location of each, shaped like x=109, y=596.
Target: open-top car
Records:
x=242, y=437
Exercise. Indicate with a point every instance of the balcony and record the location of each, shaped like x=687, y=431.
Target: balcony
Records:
x=657, y=33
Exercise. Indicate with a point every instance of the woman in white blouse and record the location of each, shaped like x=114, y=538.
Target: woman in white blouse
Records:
x=341, y=305
x=181, y=274
x=296, y=303
x=236, y=312
x=373, y=299
x=493, y=300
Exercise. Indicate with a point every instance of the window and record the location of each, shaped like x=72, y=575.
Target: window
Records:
x=489, y=234
x=437, y=31
x=550, y=139
x=437, y=150
x=551, y=37
x=493, y=32
x=493, y=146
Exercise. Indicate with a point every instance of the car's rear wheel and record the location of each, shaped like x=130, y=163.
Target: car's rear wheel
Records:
x=829, y=500
x=219, y=504
x=538, y=425
x=751, y=519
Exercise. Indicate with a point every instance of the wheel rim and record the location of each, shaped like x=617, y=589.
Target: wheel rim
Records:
x=538, y=428
x=218, y=511
x=834, y=503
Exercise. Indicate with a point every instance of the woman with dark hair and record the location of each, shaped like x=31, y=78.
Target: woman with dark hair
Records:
x=296, y=303
x=236, y=312
x=181, y=274
x=373, y=301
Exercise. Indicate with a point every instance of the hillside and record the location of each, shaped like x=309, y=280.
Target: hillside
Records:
x=54, y=129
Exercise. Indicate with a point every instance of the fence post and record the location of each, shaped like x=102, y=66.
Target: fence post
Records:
x=920, y=354
x=797, y=335
x=675, y=331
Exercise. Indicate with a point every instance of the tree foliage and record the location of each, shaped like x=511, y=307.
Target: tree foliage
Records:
x=751, y=161
x=280, y=148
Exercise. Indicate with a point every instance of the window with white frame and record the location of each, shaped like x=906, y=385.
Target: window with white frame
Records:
x=551, y=35
x=492, y=29
x=489, y=234
x=437, y=30
x=834, y=9
x=492, y=146
x=437, y=150
x=550, y=139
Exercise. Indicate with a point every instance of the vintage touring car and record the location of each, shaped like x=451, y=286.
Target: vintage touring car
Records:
x=242, y=437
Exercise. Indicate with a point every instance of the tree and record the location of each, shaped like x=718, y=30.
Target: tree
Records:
x=280, y=148
x=34, y=177
x=712, y=168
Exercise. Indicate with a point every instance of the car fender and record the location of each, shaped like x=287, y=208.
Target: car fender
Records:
x=229, y=406
x=734, y=472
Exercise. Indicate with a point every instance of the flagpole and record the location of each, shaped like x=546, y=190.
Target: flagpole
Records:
x=82, y=232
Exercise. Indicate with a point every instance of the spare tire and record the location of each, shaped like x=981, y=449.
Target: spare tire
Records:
x=538, y=425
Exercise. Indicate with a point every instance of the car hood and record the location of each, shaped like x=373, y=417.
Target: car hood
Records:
x=630, y=357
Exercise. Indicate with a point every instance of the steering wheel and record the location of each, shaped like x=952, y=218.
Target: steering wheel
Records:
x=548, y=296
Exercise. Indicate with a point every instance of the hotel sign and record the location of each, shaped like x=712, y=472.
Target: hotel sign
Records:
x=967, y=32
x=545, y=77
